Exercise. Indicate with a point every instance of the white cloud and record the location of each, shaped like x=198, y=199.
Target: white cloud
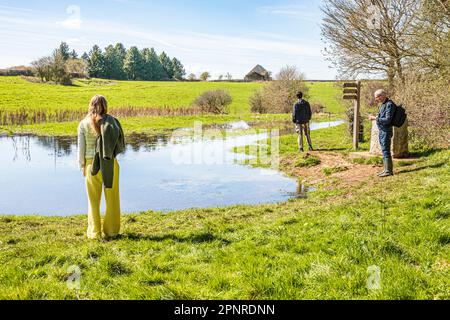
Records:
x=293, y=11
x=73, y=22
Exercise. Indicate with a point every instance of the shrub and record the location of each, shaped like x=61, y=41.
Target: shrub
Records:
x=427, y=102
x=214, y=101
x=317, y=107
x=256, y=103
x=279, y=96
x=368, y=90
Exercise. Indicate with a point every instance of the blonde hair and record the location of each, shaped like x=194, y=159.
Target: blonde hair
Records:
x=97, y=108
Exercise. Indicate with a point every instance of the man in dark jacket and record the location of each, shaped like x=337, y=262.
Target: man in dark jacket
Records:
x=384, y=123
x=301, y=117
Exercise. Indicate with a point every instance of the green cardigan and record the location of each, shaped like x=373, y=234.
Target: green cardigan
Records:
x=109, y=144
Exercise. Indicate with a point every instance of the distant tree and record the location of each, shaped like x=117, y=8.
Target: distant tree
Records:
x=42, y=68
x=147, y=69
x=120, y=54
x=96, y=63
x=229, y=76
x=220, y=77
x=205, y=76
x=167, y=65
x=133, y=64
x=64, y=51
x=85, y=56
x=178, y=69
x=192, y=77
x=114, y=61
x=152, y=68
x=59, y=71
x=73, y=54
x=77, y=66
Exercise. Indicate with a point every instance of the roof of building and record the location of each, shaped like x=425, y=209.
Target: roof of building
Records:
x=259, y=70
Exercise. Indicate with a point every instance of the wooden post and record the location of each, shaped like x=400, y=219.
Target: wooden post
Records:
x=356, y=113
x=352, y=91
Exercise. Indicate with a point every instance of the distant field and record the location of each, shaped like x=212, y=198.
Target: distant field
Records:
x=17, y=93
x=328, y=94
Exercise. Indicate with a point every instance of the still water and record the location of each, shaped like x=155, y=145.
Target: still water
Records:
x=40, y=176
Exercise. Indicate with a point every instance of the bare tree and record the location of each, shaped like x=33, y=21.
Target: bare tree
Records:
x=369, y=36
x=279, y=96
x=431, y=41
x=42, y=68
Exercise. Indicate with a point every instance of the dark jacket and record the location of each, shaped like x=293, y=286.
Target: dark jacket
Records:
x=109, y=144
x=302, y=112
x=384, y=118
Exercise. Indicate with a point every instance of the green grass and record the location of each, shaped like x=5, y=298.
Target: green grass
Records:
x=329, y=94
x=307, y=161
x=336, y=169
x=18, y=93
x=315, y=248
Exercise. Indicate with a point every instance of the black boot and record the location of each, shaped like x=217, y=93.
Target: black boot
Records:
x=389, y=168
x=384, y=167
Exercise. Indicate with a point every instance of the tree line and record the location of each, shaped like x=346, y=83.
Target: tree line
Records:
x=115, y=62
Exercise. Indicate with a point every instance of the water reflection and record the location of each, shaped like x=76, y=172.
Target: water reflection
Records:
x=39, y=175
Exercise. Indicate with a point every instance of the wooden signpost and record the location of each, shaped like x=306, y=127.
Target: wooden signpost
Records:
x=352, y=91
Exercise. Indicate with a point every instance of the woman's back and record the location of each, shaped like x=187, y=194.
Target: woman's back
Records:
x=87, y=139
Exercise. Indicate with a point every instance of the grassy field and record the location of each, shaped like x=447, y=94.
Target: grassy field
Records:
x=321, y=247
x=328, y=94
x=19, y=93
x=316, y=248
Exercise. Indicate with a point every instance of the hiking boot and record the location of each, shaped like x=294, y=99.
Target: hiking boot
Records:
x=301, y=150
x=311, y=148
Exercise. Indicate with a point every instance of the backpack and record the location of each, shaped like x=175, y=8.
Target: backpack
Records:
x=399, y=117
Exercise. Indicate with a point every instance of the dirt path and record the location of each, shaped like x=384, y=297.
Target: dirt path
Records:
x=337, y=164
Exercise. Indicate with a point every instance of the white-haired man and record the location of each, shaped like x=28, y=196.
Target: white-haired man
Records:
x=384, y=123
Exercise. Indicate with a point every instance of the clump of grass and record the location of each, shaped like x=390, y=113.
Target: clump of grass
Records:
x=368, y=161
x=329, y=171
x=307, y=161
x=117, y=268
x=403, y=163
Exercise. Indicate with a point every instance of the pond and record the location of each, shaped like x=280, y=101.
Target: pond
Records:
x=40, y=176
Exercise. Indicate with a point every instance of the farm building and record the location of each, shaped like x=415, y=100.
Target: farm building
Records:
x=258, y=73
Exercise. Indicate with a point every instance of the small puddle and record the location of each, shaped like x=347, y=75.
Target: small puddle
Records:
x=40, y=176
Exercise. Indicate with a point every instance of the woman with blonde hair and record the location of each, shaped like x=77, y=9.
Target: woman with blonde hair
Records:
x=100, y=140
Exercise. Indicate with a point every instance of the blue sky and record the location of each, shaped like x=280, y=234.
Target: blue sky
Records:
x=215, y=36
